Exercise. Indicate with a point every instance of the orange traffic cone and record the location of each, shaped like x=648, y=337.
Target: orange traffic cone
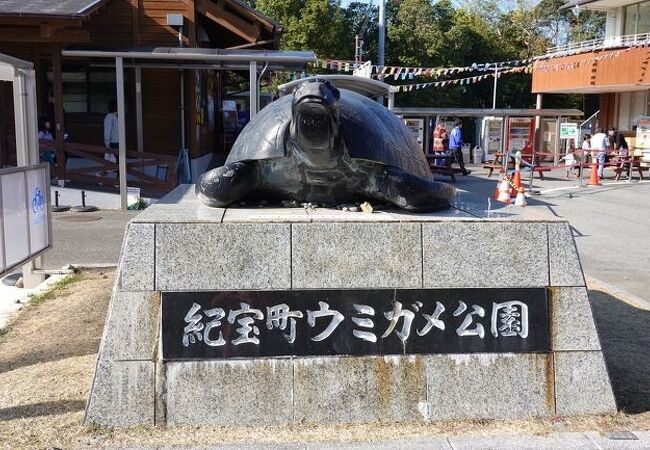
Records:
x=504, y=191
x=516, y=182
x=521, y=197
x=593, y=179
x=498, y=189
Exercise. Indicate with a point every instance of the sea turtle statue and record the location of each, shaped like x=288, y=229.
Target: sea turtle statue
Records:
x=326, y=146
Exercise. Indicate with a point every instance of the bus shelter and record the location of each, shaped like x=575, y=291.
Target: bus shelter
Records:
x=256, y=62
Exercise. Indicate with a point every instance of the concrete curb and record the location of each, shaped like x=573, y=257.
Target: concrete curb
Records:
x=591, y=440
x=594, y=284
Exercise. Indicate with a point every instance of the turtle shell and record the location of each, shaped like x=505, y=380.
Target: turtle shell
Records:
x=370, y=131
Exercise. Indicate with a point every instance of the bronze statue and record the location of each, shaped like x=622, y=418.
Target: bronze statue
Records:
x=326, y=146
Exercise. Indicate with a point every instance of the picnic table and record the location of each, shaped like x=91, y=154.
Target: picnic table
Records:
x=526, y=158
x=444, y=169
x=621, y=164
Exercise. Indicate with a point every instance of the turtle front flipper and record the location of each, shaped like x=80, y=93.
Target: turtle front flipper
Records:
x=227, y=184
x=413, y=193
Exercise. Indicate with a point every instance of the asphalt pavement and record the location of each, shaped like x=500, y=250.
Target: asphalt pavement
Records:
x=92, y=238
x=610, y=223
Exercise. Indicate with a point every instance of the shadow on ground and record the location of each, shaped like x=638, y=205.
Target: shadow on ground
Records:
x=624, y=333
x=41, y=409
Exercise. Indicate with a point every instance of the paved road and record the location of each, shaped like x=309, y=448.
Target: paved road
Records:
x=612, y=230
x=87, y=238
x=611, y=224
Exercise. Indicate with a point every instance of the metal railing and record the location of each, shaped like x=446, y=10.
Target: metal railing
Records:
x=627, y=40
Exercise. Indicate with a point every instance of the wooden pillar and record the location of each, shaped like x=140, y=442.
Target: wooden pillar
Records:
x=138, y=108
x=59, y=119
x=40, y=82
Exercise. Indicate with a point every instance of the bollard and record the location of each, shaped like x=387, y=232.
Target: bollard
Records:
x=83, y=207
x=56, y=207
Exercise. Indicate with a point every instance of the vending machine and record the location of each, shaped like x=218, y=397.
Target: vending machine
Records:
x=417, y=129
x=491, y=135
x=521, y=132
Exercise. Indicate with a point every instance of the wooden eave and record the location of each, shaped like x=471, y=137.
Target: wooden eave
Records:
x=238, y=19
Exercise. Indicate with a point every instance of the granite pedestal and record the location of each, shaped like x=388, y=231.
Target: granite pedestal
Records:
x=179, y=245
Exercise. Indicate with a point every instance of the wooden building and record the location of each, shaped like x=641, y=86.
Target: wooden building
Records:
x=614, y=67
x=74, y=92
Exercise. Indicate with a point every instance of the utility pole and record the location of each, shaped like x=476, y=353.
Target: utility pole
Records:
x=382, y=33
x=494, y=92
x=358, y=48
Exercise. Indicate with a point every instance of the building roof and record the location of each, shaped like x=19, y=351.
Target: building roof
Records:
x=596, y=4
x=361, y=85
x=73, y=9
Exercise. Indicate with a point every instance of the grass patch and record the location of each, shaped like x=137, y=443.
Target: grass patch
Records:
x=56, y=290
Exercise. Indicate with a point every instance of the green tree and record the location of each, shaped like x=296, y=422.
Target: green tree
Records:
x=413, y=36
x=316, y=25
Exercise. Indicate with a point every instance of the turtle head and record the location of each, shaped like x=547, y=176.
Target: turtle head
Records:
x=315, y=122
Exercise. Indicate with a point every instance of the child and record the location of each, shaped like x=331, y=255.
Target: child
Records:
x=569, y=160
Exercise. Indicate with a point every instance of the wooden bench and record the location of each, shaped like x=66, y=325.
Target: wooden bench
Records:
x=446, y=169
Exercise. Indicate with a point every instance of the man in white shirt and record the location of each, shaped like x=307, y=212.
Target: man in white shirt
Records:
x=111, y=131
x=600, y=143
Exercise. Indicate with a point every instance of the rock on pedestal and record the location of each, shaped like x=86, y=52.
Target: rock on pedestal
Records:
x=180, y=246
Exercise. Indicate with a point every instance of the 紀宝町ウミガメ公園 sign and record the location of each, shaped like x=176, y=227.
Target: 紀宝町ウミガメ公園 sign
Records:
x=236, y=324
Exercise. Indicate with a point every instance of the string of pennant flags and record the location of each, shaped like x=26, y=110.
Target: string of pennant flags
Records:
x=529, y=65
x=461, y=81
x=404, y=72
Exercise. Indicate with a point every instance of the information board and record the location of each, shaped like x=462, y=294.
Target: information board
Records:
x=568, y=130
x=25, y=222
x=235, y=324
x=643, y=133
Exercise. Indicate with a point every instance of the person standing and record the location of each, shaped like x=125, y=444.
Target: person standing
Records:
x=440, y=144
x=45, y=134
x=617, y=141
x=111, y=131
x=600, y=142
x=456, y=145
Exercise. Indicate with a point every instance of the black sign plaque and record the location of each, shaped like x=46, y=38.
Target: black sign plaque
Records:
x=236, y=324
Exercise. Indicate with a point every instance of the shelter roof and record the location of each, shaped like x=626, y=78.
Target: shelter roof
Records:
x=486, y=112
x=361, y=85
x=192, y=57
x=6, y=60
x=52, y=9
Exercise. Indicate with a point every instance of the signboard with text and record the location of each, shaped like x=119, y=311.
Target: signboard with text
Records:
x=25, y=222
x=569, y=130
x=643, y=133
x=235, y=324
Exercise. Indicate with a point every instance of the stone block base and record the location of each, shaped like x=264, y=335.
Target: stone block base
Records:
x=180, y=245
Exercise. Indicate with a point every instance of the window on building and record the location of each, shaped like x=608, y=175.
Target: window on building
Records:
x=631, y=106
x=637, y=18
x=86, y=90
